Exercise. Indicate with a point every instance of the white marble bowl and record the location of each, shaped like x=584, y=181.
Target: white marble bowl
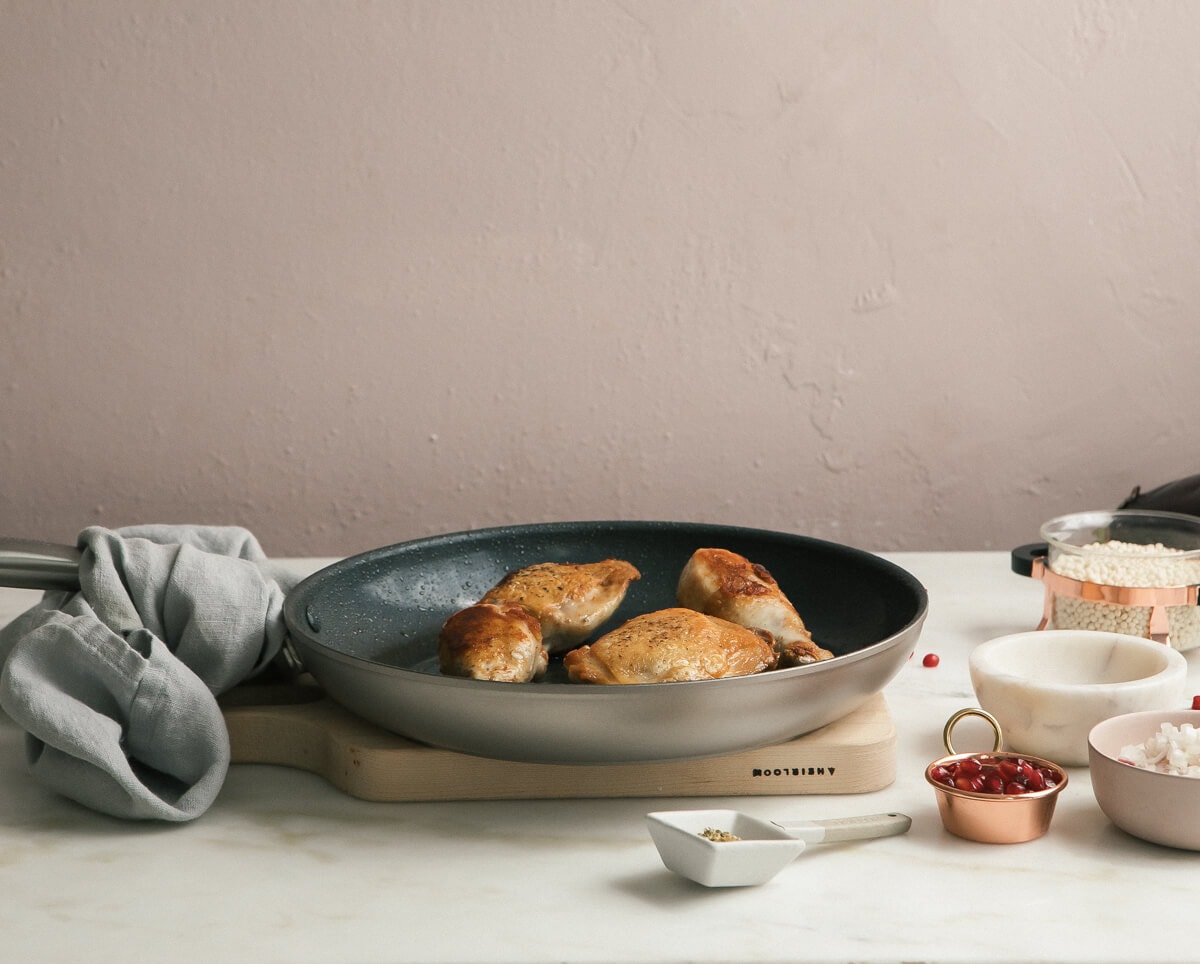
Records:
x=1159, y=807
x=1048, y=689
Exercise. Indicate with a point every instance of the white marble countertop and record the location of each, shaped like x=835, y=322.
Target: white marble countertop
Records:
x=286, y=868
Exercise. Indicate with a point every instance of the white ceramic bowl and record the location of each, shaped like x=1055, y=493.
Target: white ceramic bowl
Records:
x=1048, y=689
x=1158, y=807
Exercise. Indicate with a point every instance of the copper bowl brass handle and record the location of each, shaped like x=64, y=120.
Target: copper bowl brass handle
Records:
x=948, y=730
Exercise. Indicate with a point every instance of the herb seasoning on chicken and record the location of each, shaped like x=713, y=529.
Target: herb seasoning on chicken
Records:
x=570, y=600
x=669, y=646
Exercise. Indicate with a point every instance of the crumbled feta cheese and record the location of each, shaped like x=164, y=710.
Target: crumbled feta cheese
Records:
x=1173, y=749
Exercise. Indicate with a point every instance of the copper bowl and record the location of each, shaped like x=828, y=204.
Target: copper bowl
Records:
x=999, y=818
x=995, y=817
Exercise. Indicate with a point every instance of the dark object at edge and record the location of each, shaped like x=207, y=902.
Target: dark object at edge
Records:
x=1182, y=495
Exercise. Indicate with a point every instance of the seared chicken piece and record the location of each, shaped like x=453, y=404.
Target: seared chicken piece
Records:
x=671, y=645
x=722, y=583
x=570, y=600
x=493, y=641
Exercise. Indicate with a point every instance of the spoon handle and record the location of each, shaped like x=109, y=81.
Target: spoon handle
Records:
x=847, y=828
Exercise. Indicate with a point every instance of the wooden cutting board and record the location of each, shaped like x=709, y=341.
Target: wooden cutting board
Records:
x=296, y=725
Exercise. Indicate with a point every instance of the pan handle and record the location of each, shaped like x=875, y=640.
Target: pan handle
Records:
x=29, y=564
x=1023, y=557
x=52, y=566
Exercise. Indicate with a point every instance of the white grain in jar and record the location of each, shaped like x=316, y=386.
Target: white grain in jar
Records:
x=1131, y=565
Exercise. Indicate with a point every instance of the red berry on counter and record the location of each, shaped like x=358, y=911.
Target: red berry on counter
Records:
x=932, y=659
x=1196, y=702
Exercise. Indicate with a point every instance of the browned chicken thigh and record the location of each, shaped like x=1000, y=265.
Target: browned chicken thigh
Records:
x=671, y=645
x=493, y=641
x=569, y=600
x=725, y=584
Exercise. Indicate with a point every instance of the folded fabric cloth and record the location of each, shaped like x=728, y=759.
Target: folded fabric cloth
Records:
x=116, y=684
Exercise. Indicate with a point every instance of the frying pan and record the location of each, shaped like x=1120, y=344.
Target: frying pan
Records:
x=366, y=628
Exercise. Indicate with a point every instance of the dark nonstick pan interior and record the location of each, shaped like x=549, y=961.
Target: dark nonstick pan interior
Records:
x=367, y=629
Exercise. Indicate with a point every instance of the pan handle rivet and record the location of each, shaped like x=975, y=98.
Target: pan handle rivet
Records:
x=313, y=620
x=972, y=711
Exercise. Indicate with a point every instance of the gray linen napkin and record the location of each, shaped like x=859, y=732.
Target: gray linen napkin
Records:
x=116, y=684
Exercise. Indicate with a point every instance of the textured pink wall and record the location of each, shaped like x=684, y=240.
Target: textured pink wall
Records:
x=904, y=275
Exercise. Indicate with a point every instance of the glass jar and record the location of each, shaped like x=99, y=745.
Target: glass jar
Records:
x=1129, y=571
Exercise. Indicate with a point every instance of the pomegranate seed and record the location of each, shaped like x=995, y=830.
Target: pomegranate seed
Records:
x=1196, y=702
x=985, y=774
x=993, y=783
x=970, y=767
x=932, y=659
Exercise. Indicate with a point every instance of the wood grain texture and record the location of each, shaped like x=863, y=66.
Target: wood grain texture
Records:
x=302, y=728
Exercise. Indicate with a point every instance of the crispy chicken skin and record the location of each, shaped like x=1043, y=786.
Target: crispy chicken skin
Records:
x=493, y=641
x=569, y=600
x=671, y=645
x=722, y=583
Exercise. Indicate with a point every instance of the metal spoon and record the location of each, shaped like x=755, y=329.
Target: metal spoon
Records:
x=762, y=848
